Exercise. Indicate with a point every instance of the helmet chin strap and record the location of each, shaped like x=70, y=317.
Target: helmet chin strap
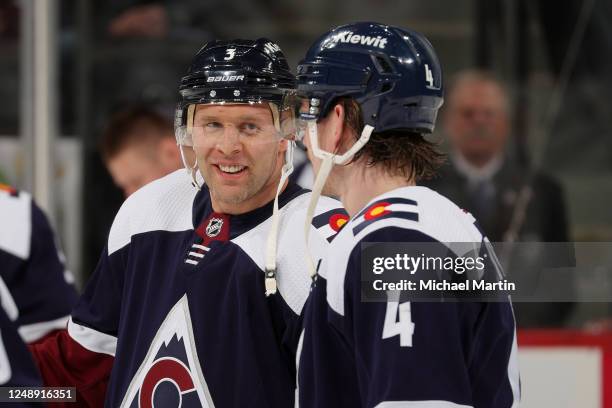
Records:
x=192, y=171
x=328, y=161
x=272, y=240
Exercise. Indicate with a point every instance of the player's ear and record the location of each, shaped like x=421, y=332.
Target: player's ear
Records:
x=337, y=125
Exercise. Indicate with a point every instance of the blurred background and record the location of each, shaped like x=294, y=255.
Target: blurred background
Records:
x=70, y=70
x=67, y=67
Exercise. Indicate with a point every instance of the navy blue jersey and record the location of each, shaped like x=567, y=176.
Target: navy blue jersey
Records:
x=37, y=291
x=178, y=302
x=402, y=353
x=16, y=366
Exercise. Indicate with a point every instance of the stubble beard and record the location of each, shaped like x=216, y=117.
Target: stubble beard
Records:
x=252, y=186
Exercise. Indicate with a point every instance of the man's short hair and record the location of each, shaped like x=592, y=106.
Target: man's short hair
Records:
x=137, y=125
x=400, y=152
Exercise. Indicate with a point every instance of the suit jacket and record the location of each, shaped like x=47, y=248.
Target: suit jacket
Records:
x=545, y=221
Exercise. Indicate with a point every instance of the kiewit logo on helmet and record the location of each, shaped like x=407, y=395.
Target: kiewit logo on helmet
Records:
x=348, y=37
x=225, y=78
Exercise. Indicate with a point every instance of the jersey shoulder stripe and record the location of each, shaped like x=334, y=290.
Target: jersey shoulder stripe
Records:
x=392, y=207
x=386, y=202
x=417, y=209
x=162, y=205
x=330, y=222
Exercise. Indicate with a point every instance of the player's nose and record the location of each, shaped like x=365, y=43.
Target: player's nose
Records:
x=230, y=142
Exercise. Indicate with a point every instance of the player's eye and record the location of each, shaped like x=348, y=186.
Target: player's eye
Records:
x=212, y=126
x=250, y=128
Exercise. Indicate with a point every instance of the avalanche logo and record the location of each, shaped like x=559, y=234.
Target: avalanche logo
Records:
x=170, y=375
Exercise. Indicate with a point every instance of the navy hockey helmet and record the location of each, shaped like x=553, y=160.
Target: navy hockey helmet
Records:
x=233, y=72
x=392, y=73
x=237, y=71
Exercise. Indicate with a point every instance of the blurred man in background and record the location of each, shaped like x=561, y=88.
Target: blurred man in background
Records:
x=138, y=147
x=484, y=179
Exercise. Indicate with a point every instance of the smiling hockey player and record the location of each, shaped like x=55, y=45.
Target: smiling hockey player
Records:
x=192, y=303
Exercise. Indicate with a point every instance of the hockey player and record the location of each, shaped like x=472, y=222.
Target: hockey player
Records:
x=370, y=93
x=37, y=291
x=192, y=303
x=16, y=366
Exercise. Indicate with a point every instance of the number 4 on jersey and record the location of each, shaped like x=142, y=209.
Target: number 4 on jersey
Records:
x=404, y=327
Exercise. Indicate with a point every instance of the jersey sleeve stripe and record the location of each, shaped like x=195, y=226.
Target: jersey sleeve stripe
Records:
x=420, y=404
x=35, y=331
x=91, y=339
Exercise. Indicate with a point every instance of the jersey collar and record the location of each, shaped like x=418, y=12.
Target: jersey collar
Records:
x=234, y=225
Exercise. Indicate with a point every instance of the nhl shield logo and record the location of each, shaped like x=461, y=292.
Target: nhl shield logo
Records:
x=170, y=375
x=214, y=227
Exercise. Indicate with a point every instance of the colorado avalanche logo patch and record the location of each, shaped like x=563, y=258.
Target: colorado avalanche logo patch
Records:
x=170, y=375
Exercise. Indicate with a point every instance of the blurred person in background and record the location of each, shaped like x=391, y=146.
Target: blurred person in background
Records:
x=36, y=289
x=144, y=20
x=484, y=179
x=138, y=146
